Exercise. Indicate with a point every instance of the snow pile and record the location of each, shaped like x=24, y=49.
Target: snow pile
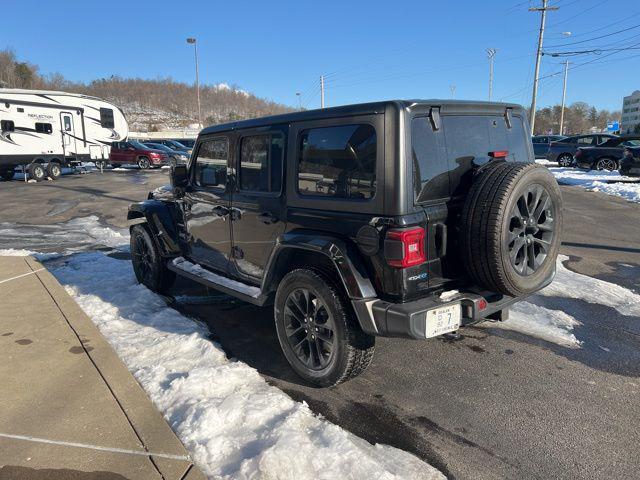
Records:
x=569, y=284
x=597, y=181
x=234, y=424
x=540, y=322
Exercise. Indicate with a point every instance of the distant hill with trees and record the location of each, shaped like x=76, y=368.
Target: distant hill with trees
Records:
x=150, y=105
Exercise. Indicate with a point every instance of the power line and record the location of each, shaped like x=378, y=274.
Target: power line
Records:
x=594, y=38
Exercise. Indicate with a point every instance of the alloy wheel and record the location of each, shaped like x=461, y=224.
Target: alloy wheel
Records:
x=142, y=259
x=310, y=328
x=531, y=230
x=607, y=164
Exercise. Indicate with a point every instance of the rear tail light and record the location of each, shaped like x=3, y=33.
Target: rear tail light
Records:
x=499, y=154
x=405, y=248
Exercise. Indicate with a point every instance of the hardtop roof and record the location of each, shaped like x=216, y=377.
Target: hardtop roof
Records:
x=348, y=110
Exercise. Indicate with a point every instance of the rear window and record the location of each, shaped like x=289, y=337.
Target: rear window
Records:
x=443, y=160
x=338, y=162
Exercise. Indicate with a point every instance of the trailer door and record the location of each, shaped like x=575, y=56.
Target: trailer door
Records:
x=68, y=133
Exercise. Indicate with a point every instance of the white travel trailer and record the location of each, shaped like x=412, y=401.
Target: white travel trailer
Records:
x=44, y=131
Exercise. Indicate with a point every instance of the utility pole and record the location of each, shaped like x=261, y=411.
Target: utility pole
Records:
x=491, y=53
x=543, y=19
x=321, y=91
x=452, y=87
x=564, y=95
x=194, y=42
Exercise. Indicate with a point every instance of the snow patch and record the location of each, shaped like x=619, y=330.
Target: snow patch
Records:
x=448, y=295
x=596, y=181
x=233, y=423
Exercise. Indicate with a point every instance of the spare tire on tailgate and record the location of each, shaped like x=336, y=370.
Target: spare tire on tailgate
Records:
x=510, y=227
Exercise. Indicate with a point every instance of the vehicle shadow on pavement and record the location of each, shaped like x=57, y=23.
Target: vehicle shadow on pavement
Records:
x=10, y=472
x=610, y=340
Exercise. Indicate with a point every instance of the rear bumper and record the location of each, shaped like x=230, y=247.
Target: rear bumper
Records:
x=408, y=320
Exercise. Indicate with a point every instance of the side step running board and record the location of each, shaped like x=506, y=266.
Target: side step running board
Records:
x=243, y=291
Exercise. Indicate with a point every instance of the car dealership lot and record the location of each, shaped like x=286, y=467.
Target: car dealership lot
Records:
x=496, y=403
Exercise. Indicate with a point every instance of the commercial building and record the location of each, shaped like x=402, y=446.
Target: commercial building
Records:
x=630, y=112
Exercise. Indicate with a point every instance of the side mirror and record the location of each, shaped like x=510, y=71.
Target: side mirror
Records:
x=179, y=176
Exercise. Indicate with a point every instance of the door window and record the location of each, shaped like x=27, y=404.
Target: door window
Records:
x=338, y=162
x=261, y=163
x=587, y=141
x=211, y=163
x=67, y=123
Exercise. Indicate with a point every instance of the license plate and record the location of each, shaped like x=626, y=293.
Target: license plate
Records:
x=443, y=320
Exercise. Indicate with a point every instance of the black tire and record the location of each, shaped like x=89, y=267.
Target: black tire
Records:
x=607, y=163
x=54, y=171
x=334, y=348
x=37, y=172
x=148, y=265
x=511, y=228
x=565, y=160
x=7, y=174
x=143, y=163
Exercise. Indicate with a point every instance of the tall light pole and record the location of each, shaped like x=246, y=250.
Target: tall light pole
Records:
x=299, y=101
x=321, y=91
x=452, y=87
x=543, y=19
x=564, y=95
x=193, y=41
x=491, y=54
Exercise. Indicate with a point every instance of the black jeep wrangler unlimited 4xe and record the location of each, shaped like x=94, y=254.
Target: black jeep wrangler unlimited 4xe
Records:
x=398, y=219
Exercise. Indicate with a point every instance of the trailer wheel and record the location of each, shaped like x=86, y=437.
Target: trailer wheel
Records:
x=53, y=170
x=7, y=174
x=143, y=163
x=37, y=172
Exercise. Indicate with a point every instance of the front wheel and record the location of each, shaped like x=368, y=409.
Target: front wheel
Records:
x=143, y=163
x=319, y=336
x=148, y=264
x=37, y=172
x=565, y=160
x=608, y=164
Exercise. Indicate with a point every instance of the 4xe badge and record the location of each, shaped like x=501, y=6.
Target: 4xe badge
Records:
x=422, y=276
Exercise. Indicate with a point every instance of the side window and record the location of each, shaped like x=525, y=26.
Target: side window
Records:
x=7, y=126
x=430, y=169
x=338, y=162
x=585, y=141
x=570, y=140
x=106, y=118
x=211, y=163
x=43, y=128
x=261, y=163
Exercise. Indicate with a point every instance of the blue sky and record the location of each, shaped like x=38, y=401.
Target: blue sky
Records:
x=369, y=50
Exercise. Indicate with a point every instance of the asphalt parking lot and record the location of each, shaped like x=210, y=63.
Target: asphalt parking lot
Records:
x=495, y=404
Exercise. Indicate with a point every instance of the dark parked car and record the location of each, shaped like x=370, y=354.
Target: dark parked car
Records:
x=630, y=163
x=135, y=153
x=541, y=144
x=175, y=156
x=172, y=144
x=607, y=155
x=397, y=219
x=562, y=151
x=187, y=142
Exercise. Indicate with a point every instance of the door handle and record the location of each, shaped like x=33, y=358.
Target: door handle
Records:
x=267, y=218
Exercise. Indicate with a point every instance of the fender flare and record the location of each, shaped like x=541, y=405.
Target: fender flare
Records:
x=160, y=219
x=344, y=257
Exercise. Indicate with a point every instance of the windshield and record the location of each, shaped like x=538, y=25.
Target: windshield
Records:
x=137, y=145
x=175, y=144
x=158, y=146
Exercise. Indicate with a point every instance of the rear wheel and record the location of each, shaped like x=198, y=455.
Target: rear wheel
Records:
x=148, y=264
x=511, y=227
x=143, y=163
x=319, y=336
x=53, y=170
x=37, y=172
x=565, y=160
x=609, y=164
